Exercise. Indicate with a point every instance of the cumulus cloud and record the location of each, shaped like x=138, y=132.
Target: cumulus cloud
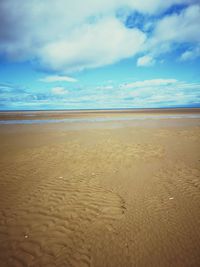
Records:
x=160, y=92
x=94, y=45
x=142, y=93
x=66, y=35
x=74, y=35
x=149, y=83
x=190, y=54
x=59, y=90
x=145, y=61
x=57, y=78
x=181, y=28
x=12, y=94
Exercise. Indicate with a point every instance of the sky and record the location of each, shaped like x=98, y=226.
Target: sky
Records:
x=97, y=54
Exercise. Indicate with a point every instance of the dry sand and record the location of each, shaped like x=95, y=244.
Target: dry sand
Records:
x=107, y=195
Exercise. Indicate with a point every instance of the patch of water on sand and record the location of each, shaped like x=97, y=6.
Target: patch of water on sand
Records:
x=101, y=119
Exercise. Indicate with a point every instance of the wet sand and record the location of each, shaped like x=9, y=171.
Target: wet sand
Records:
x=63, y=114
x=115, y=194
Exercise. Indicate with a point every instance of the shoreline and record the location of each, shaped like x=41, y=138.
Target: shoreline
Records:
x=104, y=114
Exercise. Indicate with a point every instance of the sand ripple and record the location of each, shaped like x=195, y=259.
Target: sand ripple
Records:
x=49, y=225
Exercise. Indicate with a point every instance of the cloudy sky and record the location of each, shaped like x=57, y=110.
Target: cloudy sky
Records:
x=99, y=54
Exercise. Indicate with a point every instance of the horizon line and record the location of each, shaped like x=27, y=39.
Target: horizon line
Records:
x=99, y=109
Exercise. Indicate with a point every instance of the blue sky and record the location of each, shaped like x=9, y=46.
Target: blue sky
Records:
x=99, y=54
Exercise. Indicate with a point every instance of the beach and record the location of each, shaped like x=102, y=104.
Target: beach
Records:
x=100, y=189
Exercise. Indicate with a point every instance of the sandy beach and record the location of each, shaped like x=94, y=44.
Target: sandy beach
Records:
x=100, y=193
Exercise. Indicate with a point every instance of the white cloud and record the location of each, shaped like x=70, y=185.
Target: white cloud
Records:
x=145, y=61
x=187, y=55
x=74, y=35
x=190, y=54
x=175, y=28
x=142, y=93
x=105, y=87
x=154, y=6
x=150, y=93
x=159, y=92
x=67, y=35
x=180, y=28
x=92, y=45
x=59, y=91
x=149, y=83
x=57, y=78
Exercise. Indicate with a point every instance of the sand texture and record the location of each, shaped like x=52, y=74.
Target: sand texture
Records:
x=100, y=196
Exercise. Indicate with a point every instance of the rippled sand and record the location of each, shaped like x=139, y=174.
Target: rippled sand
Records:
x=100, y=196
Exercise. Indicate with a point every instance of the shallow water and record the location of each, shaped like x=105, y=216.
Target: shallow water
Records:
x=99, y=119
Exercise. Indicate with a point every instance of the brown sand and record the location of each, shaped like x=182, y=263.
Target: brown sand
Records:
x=100, y=196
